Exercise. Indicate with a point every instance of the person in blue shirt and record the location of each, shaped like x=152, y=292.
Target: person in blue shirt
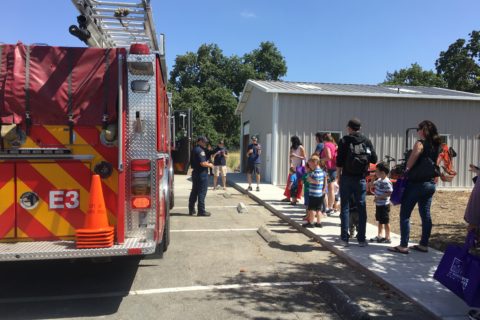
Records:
x=319, y=147
x=254, y=150
x=220, y=155
x=200, y=167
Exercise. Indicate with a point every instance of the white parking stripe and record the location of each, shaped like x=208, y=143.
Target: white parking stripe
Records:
x=208, y=207
x=229, y=230
x=156, y=291
x=215, y=230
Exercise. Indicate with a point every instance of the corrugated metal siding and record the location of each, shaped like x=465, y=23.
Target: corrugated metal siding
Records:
x=259, y=112
x=384, y=122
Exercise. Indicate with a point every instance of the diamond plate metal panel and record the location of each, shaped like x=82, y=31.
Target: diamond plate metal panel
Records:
x=141, y=145
x=46, y=250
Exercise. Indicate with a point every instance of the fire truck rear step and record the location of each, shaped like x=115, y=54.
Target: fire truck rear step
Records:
x=49, y=250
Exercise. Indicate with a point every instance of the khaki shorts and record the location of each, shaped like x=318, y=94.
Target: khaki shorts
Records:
x=220, y=169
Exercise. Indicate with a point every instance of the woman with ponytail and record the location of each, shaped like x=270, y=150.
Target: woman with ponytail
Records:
x=420, y=186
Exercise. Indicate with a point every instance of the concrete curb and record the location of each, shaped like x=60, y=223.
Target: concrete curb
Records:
x=341, y=302
x=331, y=247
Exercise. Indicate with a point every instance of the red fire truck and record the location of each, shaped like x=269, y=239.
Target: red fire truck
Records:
x=69, y=113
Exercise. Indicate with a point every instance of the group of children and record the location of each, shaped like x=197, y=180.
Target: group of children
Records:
x=315, y=187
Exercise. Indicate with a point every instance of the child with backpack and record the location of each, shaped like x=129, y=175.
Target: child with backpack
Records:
x=293, y=185
x=383, y=190
x=318, y=184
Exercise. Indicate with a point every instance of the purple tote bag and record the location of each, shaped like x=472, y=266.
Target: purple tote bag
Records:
x=459, y=271
x=398, y=190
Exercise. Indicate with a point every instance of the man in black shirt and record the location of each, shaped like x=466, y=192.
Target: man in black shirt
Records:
x=220, y=155
x=355, y=153
x=200, y=167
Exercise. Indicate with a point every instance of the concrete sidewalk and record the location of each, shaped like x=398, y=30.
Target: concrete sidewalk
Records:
x=411, y=274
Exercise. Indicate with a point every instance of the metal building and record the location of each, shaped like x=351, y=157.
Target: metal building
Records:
x=276, y=110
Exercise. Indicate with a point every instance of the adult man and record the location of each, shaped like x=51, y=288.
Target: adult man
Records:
x=254, y=150
x=200, y=167
x=355, y=153
x=220, y=155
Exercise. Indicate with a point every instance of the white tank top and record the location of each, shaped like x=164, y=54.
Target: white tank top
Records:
x=297, y=161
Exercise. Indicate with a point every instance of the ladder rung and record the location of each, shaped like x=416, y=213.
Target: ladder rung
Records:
x=118, y=4
x=125, y=31
x=115, y=37
x=142, y=12
x=101, y=16
x=117, y=23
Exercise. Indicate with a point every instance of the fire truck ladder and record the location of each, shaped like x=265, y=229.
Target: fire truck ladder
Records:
x=113, y=24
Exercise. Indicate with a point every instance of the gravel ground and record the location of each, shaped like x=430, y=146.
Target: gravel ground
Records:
x=448, y=208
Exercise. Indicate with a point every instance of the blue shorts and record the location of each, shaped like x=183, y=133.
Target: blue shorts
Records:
x=332, y=175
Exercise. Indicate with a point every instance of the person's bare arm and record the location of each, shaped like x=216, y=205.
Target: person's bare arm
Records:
x=206, y=164
x=416, y=152
x=328, y=155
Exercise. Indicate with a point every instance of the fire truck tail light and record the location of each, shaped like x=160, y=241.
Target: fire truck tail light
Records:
x=140, y=182
x=141, y=165
x=141, y=202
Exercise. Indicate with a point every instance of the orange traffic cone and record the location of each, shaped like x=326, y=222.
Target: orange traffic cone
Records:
x=97, y=233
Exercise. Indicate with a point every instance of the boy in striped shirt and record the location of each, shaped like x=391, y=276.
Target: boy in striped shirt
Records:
x=316, y=193
x=383, y=190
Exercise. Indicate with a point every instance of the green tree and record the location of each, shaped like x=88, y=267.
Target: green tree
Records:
x=459, y=65
x=210, y=84
x=414, y=76
x=267, y=62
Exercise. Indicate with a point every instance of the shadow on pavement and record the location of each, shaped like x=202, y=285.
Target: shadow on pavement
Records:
x=64, y=289
x=257, y=302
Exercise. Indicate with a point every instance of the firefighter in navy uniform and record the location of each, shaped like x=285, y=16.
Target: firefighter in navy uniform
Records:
x=200, y=165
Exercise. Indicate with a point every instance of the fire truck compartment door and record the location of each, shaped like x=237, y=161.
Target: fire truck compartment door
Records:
x=52, y=199
x=7, y=200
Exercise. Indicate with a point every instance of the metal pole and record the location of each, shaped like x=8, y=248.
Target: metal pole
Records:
x=120, y=113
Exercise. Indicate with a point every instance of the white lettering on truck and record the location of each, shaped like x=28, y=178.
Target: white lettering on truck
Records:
x=61, y=199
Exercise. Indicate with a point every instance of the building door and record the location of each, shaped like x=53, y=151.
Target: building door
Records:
x=243, y=157
x=268, y=158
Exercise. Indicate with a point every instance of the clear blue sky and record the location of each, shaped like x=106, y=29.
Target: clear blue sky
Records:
x=345, y=41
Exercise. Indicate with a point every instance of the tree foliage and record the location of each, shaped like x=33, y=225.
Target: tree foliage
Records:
x=459, y=65
x=458, y=68
x=414, y=76
x=210, y=84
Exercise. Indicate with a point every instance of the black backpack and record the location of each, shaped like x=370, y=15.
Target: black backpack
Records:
x=358, y=158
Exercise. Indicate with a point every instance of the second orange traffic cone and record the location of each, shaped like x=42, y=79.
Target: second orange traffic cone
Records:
x=96, y=228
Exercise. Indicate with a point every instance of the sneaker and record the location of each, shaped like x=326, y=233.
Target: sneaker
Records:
x=329, y=211
x=386, y=240
x=205, y=214
x=343, y=243
x=249, y=188
x=376, y=239
x=318, y=225
x=258, y=188
x=474, y=314
x=191, y=213
x=308, y=225
x=362, y=243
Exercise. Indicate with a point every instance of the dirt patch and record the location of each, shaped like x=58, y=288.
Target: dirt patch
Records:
x=448, y=208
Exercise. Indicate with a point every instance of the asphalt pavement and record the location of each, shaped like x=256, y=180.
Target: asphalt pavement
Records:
x=216, y=267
